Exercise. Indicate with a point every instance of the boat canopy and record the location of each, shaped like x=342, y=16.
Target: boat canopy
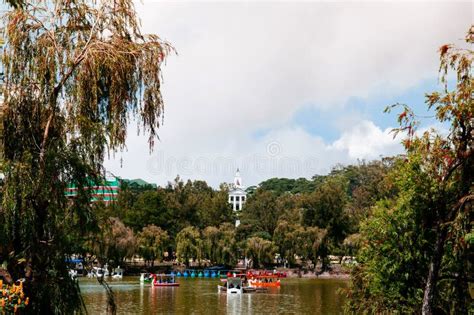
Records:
x=234, y=282
x=164, y=275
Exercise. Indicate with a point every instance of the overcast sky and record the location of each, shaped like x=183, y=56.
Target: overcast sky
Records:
x=285, y=89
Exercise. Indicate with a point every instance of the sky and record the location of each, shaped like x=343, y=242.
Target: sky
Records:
x=286, y=89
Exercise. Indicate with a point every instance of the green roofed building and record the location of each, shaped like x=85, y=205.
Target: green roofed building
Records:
x=106, y=190
x=138, y=182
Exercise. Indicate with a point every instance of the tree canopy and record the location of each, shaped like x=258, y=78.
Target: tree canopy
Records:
x=415, y=252
x=75, y=73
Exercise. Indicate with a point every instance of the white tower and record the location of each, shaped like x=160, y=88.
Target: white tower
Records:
x=237, y=180
x=237, y=195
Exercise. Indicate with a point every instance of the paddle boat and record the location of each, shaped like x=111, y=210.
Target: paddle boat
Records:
x=163, y=280
x=214, y=271
x=270, y=281
x=244, y=284
x=146, y=277
x=233, y=285
x=97, y=272
x=254, y=273
x=224, y=274
x=75, y=267
x=117, y=273
x=72, y=273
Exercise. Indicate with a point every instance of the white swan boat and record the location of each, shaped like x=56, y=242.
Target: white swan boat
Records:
x=233, y=285
x=117, y=273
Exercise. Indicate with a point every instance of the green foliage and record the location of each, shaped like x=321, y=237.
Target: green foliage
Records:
x=287, y=238
x=293, y=239
x=261, y=252
x=74, y=75
x=261, y=211
x=326, y=208
x=315, y=245
x=211, y=237
x=152, y=243
x=309, y=226
x=214, y=209
x=390, y=256
x=219, y=244
x=176, y=206
x=414, y=257
x=150, y=208
x=287, y=185
x=189, y=245
x=113, y=243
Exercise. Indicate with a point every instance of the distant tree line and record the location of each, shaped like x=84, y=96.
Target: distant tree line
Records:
x=192, y=221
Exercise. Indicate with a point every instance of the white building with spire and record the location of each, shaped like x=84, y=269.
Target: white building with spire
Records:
x=237, y=195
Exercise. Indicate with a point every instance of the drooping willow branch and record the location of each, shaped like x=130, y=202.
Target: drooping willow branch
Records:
x=76, y=72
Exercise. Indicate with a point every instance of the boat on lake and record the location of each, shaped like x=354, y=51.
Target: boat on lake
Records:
x=146, y=277
x=238, y=284
x=163, y=280
x=254, y=273
x=72, y=273
x=117, y=273
x=204, y=273
x=233, y=285
x=271, y=281
x=98, y=272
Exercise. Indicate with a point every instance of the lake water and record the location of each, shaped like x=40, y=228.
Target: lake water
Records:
x=200, y=296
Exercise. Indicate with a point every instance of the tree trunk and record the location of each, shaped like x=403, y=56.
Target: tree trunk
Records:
x=435, y=263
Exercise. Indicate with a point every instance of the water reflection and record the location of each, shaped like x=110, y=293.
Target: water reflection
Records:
x=200, y=296
x=142, y=295
x=234, y=303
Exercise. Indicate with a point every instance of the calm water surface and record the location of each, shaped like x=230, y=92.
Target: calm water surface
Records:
x=200, y=296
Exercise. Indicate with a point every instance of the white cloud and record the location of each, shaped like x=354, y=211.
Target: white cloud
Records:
x=244, y=66
x=284, y=152
x=366, y=141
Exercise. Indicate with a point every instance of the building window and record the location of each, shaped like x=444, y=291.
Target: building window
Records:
x=237, y=207
x=243, y=198
x=231, y=198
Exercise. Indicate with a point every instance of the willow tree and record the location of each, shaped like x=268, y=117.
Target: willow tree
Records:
x=153, y=243
x=76, y=72
x=260, y=251
x=112, y=243
x=189, y=245
x=286, y=238
x=219, y=244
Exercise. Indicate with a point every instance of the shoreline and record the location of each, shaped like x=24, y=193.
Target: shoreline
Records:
x=336, y=274
x=336, y=271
